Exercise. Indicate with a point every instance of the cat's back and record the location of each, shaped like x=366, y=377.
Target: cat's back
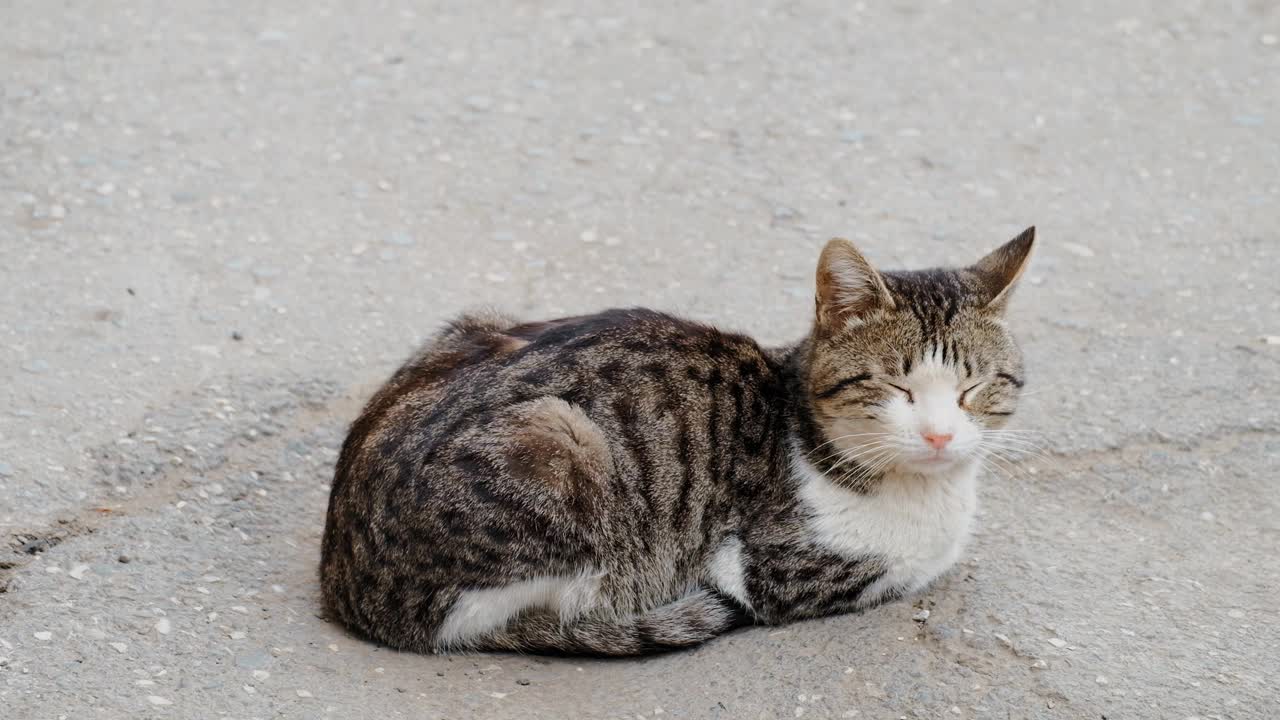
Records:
x=650, y=383
x=654, y=391
x=609, y=360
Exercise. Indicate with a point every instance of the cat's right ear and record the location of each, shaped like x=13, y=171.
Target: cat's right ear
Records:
x=849, y=289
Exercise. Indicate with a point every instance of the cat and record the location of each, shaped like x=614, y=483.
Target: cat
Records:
x=631, y=482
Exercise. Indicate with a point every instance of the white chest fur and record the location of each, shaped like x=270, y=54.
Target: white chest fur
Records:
x=917, y=524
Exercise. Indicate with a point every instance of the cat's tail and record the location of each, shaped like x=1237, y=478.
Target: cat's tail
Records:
x=683, y=623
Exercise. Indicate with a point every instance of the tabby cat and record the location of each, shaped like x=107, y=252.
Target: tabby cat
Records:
x=630, y=482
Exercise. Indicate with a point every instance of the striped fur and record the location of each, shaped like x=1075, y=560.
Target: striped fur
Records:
x=631, y=482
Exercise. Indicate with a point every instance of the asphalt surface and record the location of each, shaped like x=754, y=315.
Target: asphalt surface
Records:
x=222, y=224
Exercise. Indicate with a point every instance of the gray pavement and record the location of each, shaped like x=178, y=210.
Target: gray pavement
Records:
x=223, y=223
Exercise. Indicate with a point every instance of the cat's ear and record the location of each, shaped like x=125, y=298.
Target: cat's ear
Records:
x=848, y=287
x=999, y=271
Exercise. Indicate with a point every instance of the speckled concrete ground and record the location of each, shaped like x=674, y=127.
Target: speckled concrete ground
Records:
x=221, y=224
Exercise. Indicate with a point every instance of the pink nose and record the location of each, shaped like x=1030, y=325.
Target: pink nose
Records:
x=936, y=441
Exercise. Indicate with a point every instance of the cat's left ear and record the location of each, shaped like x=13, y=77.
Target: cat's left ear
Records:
x=999, y=271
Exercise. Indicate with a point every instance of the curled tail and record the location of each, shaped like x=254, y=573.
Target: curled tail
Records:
x=683, y=623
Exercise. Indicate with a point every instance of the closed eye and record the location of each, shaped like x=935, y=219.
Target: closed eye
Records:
x=965, y=393
x=910, y=398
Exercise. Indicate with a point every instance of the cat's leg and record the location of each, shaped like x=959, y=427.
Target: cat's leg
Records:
x=688, y=621
x=543, y=459
x=726, y=571
x=479, y=613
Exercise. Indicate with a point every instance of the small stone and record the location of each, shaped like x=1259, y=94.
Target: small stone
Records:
x=1269, y=39
x=236, y=335
x=44, y=635
x=6, y=469
x=304, y=694
x=1271, y=339
x=238, y=635
x=588, y=236
x=479, y=103
x=921, y=615
x=272, y=36
x=495, y=277
x=956, y=710
x=124, y=559
x=120, y=647
x=106, y=189
x=399, y=238
x=1057, y=642
x=163, y=626
x=1207, y=516
x=1077, y=249
x=852, y=136
x=783, y=213
x=78, y=571
x=1101, y=680
x=57, y=212
x=1236, y=614
x=522, y=681
x=158, y=701
x=36, y=367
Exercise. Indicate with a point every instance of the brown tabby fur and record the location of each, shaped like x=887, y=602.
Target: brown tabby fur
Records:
x=631, y=443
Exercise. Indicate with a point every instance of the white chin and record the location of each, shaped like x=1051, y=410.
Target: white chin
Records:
x=930, y=464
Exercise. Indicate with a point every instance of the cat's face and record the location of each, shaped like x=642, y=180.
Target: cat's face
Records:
x=914, y=370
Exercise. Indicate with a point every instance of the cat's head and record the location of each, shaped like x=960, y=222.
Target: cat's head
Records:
x=913, y=370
